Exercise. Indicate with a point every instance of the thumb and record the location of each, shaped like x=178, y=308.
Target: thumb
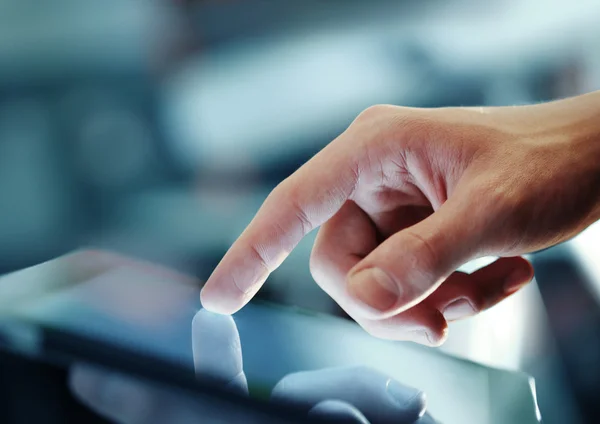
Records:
x=412, y=263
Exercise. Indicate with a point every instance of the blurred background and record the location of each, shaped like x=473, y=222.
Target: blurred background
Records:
x=157, y=128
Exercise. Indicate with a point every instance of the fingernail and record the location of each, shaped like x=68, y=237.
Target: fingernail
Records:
x=404, y=395
x=374, y=288
x=460, y=308
x=519, y=278
x=425, y=337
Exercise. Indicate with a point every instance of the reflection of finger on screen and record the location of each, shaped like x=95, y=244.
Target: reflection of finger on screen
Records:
x=381, y=399
x=113, y=396
x=218, y=350
x=337, y=412
x=427, y=419
x=126, y=400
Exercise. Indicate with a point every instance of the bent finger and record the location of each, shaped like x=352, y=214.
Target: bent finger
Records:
x=341, y=243
x=463, y=295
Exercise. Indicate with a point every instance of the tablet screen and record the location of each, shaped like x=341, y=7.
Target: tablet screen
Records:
x=156, y=312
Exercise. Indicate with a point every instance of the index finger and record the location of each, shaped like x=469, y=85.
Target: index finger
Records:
x=302, y=202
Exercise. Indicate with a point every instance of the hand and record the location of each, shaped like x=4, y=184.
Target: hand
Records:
x=344, y=395
x=405, y=196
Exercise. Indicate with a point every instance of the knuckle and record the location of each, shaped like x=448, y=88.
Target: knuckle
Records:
x=286, y=196
x=301, y=217
x=378, y=119
x=375, y=111
x=260, y=257
x=412, y=125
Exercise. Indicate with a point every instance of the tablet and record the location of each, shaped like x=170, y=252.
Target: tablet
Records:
x=140, y=319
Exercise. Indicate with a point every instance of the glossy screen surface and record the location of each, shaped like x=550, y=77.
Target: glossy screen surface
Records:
x=152, y=312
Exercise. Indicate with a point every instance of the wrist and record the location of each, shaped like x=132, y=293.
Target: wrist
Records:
x=581, y=117
x=564, y=138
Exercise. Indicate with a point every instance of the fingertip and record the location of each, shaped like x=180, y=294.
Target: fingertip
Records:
x=213, y=301
x=429, y=338
x=510, y=274
x=521, y=275
x=235, y=281
x=435, y=329
x=438, y=338
x=206, y=319
x=465, y=295
x=217, y=309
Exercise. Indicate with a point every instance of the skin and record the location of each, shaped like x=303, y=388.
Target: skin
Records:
x=405, y=196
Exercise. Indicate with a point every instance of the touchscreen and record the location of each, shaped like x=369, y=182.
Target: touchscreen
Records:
x=157, y=312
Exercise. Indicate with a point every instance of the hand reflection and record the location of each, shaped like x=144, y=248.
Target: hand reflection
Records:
x=341, y=395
